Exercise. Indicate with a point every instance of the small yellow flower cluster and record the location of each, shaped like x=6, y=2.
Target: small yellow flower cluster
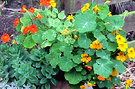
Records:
x=86, y=7
x=96, y=45
x=121, y=56
x=70, y=17
x=85, y=58
x=96, y=9
x=128, y=83
x=121, y=43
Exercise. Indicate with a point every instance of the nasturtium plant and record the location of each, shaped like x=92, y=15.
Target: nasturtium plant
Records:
x=89, y=47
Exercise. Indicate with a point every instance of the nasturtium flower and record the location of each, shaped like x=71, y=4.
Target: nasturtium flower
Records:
x=108, y=2
x=5, y=38
x=121, y=56
x=115, y=72
x=131, y=53
x=109, y=78
x=90, y=84
x=45, y=2
x=70, y=17
x=16, y=22
x=85, y=58
x=86, y=7
x=53, y=3
x=23, y=9
x=101, y=78
x=115, y=33
x=82, y=87
x=96, y=9
x=64, y=31
x=33, y=28
x=25, y=30
x=14, y=42
x=75, y=36
x=123, y=46
x=31, y=10
x=89, y=68
x=128, y=83
x=120, y=39
x=110, y=14
x=120, y=28
x=108, y=23
x=84, y=55
x=96, y=45
x=39, y=16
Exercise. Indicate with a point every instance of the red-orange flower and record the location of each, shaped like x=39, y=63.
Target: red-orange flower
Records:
x=5, y=37
x=14, y=42
x=39, y=16
x=16, y=21
x=101, y=78
x=31, y=10
x=33, y=28
x=23, y=9
x=45, y=2
x=25, y=30
x=89, y=68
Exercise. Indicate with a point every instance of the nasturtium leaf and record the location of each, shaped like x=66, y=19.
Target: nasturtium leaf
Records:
x=60, y=38
x=103, y=13
x=18, y=27
x=65, y=64
x=115, y=80
x=115, y=21
x=53, y=14
x=118, y=65
x=19, y=39
x=111, y=37
x=78, y=68
x=100, y=26
x=83, y=41
x=46, y=43
x=101, y=84
x=55, y=10
x=67, y=23
x=73, y=77
x=92, y=61
x=62, y=15
x=84, y=72
x=85, y=22
x=28, y=42
x=60, y=28
x=103, y=67
x=50, y=35
x=123, y=33
x=69, y=40
x=99, y=36
x=25, y=21
x=77, y=59
x=112, y=46
x=50, y=21
x=108, y=83
x=57, y=22
x=105, y=54
x=90, y=51
x=68, y=50
x=104, y=44
x=43, y=20
x=37, y=36
x=43, y=80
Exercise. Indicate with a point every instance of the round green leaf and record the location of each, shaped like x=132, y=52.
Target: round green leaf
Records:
x=85, y=22
x=115, y=80
x=25, y=20
x=112, y=46
x=111, y=37
x=77, y=59
x=37, y=36
x=83, y=41
x=28, y=42
x=62, y=15
x=105, y=54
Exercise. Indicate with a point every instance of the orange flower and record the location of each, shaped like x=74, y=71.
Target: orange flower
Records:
x=96, y=45
x=33, y=28
x=101, y=78
x=25, y=30
x=14, y=42
x=16, y=21
x=5, y=38
x=31, y=10
x=45, y=2
x=39, y=16
x=115, y=72
x=82, y=87
x=64, y=31
x=89, y=68
x=121, y=56
x=23, y=9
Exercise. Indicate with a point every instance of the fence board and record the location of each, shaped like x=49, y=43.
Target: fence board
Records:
x=74, y=5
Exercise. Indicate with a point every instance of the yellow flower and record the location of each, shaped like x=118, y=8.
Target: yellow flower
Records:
x=120, y=39
x=75, y=36
x=110, y=14
x=115, y=32
x=70, y=17
x=86, y=7
x=84, y=55
x=64, y=31
x=121, y=56
x=96, y=9
x=108, y=2
x=96, y=45
x=109, y=79
x=120, y=28
x=90, y=84
x=85, y=58
x=131, y=53
x=82, y=87
x=128, y=83
x=115, y=72
x=123, y=46
x=53, y=4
